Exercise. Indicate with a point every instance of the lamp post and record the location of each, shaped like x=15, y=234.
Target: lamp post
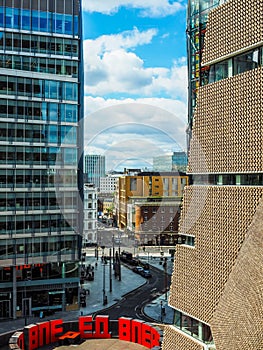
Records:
x=110, y=273
x=161, y=303
x=104, y=296
x=165, y=276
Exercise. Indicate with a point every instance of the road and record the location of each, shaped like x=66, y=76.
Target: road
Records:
x=133, y=303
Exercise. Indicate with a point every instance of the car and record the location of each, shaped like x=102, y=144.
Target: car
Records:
x=137, y=269
x=146, y=273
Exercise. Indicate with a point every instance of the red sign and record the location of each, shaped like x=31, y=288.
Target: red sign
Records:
x=44, y=333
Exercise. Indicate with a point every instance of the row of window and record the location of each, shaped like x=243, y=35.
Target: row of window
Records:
x=193, y=327
x=59, y=6
x=42, y=65
x=35, y=44
x=36, y=201
x=229, y=179
x=40, y=271
x=28, y=110
x=48, y=22
x=29, y=178
x=235, y=65
x=37, y=155
x=39, y=245
x=37, y=223
x=38, y=133
x=45, y=89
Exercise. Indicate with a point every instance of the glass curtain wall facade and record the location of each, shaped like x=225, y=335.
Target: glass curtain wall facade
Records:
x=94, y=168
x=40, y=149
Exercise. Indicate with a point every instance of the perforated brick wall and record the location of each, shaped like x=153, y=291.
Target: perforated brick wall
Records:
x=174, y=340
x=228, y=126
x=218, y=217
x=231, y=27
x=238, y=319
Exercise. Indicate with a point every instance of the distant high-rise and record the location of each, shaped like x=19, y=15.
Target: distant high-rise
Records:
x=40, y=147
x=216, y=289
x=94, y=168
x=177, y=161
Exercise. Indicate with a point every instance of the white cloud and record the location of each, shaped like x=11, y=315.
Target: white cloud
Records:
x=148, y=8
x=134, y=129
x=110, y=67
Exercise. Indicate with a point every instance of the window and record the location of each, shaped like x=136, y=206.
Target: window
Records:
x=133, y=184
x=245, y=62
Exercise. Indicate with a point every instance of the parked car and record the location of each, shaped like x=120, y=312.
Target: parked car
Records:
x=137, y=269
x=146, y=273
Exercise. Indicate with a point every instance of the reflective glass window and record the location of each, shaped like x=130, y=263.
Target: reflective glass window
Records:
x=221, y=70
x=58, y=23
x=51, y=66
x=59, y=46
x=26, y=43
x=70, y=91
x=74, y=69
x=3, y=85
x=53, y=111
x=60, y=66
x=42, y=65
x=70, y=113
x=17, y=62
x=16, y=18
x=2, y=61
x=43, y=44
x=245, y=62
x=68, y=135
x=76, y=25
x=35, y=20
x=26, y=64
x=52, y=133
x=1, y=16
x=68, y=24
x=43, y=111
x=17, y=42
x=25, y=19
x=34, y=44
x=67, y=46
x=70, y=156
x=53, y=159
x=52, y=89
x=8, y=41
x=74, y=49
x=11, y=85
x=9, y=17
x=45, y=21
x=3, y=107
x=1, y=41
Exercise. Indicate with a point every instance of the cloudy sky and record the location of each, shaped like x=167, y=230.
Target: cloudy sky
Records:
x=135, y=79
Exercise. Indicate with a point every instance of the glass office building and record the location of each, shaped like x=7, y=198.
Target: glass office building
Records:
x=94, y=168
x=40, y=155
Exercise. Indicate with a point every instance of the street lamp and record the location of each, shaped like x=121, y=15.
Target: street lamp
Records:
x=165, y=276
x=104, y=296
x=110, y=273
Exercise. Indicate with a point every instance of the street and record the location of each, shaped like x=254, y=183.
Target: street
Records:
x=133, y=303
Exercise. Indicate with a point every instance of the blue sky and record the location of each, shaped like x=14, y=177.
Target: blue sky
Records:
x=135, y=79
